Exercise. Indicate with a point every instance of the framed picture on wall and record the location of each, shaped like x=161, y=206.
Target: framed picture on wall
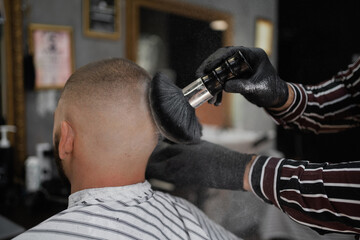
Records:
x=264, y=34
x=52, y=49
x=101, y=18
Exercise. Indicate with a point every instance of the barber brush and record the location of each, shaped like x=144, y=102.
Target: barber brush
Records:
x=173, y=108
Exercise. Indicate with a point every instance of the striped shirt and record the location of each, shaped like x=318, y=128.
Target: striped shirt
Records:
x=323, y=196
x=331, y=106
x=128, y=212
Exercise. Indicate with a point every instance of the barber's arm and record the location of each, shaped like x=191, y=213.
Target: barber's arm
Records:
x=323, y=196
x=319, y=195
x=198, y=164
x=330, y=106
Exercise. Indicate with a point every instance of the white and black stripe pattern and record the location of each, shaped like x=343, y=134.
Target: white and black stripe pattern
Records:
x=130, y=212
x=331, y=106
x=320, y=195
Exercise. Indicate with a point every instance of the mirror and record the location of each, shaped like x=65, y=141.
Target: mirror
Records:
x=175, y=38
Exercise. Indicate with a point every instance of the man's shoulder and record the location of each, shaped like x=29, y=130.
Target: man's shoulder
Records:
x=194, y=217
x=177, y=202
x=169, y=197
x=42, y=229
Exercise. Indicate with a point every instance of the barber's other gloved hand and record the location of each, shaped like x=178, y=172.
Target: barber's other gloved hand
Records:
x=263, y=88
x=204, y=164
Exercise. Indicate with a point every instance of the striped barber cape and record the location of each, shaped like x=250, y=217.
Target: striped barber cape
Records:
x=127, y=212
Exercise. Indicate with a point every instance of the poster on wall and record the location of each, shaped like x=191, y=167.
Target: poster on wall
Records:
x=52, y=50
x=101, y=18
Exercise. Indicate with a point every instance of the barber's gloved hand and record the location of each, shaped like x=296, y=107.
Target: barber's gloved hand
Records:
x=263, y=88
x=204, y=164
x=216, y=100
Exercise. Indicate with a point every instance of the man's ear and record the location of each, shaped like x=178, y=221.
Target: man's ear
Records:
x=66, y=144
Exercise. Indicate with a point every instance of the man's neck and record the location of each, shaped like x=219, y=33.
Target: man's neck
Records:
x=109, y=179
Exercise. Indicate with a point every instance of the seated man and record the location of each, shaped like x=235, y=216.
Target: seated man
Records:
x=104, y=135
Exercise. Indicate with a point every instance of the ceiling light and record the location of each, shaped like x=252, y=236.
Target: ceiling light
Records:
x=219, y=25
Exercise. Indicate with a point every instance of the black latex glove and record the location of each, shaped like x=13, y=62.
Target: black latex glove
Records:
x=263, y=88
x=216, y=100
x=204, y=164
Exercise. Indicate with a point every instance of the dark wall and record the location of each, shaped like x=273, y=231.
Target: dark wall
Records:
x=316, y=40
x=190, y=48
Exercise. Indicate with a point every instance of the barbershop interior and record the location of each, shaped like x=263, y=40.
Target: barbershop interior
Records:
x=43, y=42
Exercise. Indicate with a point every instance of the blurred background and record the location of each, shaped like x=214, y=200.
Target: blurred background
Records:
x=43, y=41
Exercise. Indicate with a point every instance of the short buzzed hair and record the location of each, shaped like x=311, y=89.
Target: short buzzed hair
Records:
x=104, y=80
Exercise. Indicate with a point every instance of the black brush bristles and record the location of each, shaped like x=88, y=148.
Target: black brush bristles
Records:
x=172, y=113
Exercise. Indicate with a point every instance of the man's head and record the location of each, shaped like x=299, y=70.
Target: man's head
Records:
x=103, y=130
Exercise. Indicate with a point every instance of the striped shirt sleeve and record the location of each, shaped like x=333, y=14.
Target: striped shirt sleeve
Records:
x=331, y=106
x=322, y=196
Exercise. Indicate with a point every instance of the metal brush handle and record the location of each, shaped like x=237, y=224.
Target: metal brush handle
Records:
x=206, y=87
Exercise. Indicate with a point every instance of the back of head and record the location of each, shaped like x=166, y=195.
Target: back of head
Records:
x=106, y=81
x=106, y=103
